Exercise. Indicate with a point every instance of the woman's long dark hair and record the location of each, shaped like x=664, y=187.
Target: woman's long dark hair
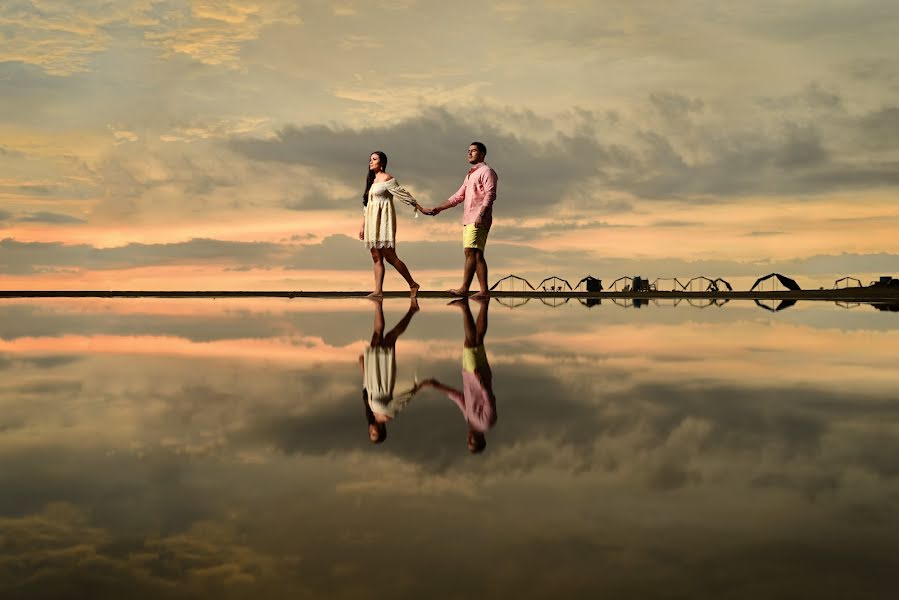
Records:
x=370, y=178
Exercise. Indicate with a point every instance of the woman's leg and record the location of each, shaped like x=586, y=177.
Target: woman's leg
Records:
x=378, y=259
x=401, y=268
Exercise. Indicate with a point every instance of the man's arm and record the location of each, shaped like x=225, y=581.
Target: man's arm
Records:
x=457, y=198
x=489, y=196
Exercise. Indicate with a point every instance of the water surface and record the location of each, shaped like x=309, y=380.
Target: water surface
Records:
x=220, y=449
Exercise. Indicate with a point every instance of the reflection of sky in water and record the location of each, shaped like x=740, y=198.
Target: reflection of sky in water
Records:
x=199, y=448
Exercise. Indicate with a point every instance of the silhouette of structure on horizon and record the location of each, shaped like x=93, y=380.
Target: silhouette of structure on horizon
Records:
x=591, y=284
x=711, y=285
x=788, y=283
x=557, y=284
x=512, y=281
x=846, y=281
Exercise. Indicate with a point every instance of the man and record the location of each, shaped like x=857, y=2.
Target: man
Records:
x=476, y=399
x=478, y=192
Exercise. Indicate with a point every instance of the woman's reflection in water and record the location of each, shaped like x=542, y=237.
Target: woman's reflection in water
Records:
x=378, y=363
x=475, y=399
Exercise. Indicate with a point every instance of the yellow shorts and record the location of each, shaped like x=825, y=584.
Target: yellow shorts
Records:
x=474, y=237
x=473, y=358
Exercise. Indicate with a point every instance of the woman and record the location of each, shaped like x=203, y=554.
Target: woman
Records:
x=378, y=363
x=378, y=229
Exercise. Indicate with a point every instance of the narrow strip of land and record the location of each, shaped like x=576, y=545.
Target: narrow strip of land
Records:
x=867, y=294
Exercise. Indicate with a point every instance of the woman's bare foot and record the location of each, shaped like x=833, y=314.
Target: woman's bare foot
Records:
x=413, y=305
x=459, y=292
x=376, y=296
x=480, y=296
x=413, y=290
x=458, y=302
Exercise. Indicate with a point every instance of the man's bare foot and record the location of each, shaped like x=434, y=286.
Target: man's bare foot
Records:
x=413, y=290
x=459, y=292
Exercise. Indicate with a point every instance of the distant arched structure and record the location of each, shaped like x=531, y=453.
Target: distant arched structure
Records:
x=719, y=281
x=557, y=284
x=844, y=282
x=707, y=284
x=633, y=284
x=788, y=283
x=514, y=283
x=590, y=283
x=667, y=284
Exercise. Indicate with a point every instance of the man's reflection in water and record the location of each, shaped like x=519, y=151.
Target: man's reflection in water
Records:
x=378, y=363
x=475, y=399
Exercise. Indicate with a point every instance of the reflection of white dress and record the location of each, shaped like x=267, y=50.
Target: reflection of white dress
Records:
x=379, y=364
x=380, y=216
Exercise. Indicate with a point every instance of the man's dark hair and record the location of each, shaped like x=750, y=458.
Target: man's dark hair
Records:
x=481, y=147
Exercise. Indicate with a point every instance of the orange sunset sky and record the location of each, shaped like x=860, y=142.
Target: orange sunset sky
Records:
x=164, y=144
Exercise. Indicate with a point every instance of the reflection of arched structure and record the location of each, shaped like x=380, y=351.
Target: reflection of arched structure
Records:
x=788, y=283
x=512, y=302
x=844, y=282
x=847, y=305
x=555, y=301
x=774, y=305
x=590, y=302
x=706, y=284
x=590, y=283
x=667, y=284
x=666, y=301
x=512, y=283
x=556, y=284
x=630, y=302
x=707, y=302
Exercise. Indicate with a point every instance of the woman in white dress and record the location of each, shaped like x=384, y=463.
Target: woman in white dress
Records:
x=378, y=362
x=378, y=229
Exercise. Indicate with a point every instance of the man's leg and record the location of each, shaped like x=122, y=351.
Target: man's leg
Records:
x=481, y=269
x=467, y=272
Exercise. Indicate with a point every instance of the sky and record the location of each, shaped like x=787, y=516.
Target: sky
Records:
x=224, y=145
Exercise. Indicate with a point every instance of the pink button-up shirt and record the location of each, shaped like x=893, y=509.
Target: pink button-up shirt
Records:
x=475, y=402
x=478, y=191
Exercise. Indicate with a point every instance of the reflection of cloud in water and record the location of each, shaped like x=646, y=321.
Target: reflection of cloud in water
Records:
x=620, y=463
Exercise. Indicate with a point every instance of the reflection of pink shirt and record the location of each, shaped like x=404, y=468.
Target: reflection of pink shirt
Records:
x=478, y=191
x=474, y=402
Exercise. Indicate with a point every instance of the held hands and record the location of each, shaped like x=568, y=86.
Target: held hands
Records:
x=431, y=212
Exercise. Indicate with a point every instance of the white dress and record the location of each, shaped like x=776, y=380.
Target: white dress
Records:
x=380, y=216
x=379, y=379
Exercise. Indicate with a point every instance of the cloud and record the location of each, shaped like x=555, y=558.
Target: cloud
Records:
x=63, y=39
x=49, y=217
x=423, y=149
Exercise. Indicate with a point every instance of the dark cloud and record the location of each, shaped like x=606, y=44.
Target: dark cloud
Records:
x=675, y=106
x=22, y=258
x=49, y=217
x=880, y=128
x=427, y=153
x=5, y=215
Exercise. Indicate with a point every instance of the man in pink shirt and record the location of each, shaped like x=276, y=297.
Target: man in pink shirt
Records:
x=478, y=193
x=476, y=399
